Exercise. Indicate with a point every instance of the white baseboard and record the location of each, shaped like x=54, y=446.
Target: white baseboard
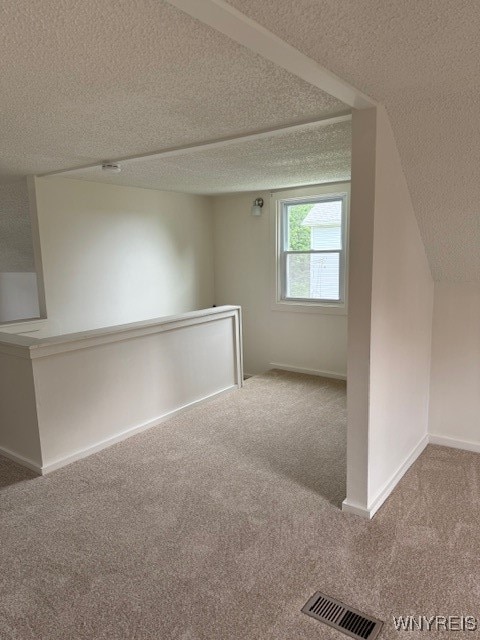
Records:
x=78, y=455
x=446, y=441
x=21, y=460
x=108, y=442
x=356, y=509
x=370, y=510
x=311, y=372
x=390, y=485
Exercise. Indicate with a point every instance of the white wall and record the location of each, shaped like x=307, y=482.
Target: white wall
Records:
x=63, y=398
x=391, y=300
x=19, y=436
x=115, y=254
x=89, y=397
x=18, y=296
x=244, y=275
x=455, y=381
x=362, y=213
x=402, y=306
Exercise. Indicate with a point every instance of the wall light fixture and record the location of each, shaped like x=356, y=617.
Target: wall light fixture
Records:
x=257, y=207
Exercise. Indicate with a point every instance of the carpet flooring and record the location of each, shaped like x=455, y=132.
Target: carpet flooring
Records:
x=220, y=523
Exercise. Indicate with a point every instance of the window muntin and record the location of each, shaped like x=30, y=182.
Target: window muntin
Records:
x=312, y=250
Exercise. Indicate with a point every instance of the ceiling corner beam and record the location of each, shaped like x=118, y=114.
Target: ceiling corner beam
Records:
x=224, y=18
x=210, y=145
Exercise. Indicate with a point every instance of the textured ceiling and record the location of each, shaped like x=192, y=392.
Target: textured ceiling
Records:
x=315, y=155
x=93, y=80
x=421, y=59
x=86, y=81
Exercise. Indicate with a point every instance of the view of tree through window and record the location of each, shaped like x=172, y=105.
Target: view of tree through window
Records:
x=299, y=239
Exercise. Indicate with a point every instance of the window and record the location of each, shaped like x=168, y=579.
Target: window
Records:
x=311, y=264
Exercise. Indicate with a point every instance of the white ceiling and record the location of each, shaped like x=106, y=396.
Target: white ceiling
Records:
x=310, y=156
x=87, y=81
x=93, y=80
x=421, y=59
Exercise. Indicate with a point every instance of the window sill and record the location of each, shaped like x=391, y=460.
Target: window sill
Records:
x=310, y=307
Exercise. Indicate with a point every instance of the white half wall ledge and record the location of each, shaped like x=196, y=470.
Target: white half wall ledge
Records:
x=89, y=390
x=24, y=326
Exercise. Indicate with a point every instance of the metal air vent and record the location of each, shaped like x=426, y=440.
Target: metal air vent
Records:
x=343, y=618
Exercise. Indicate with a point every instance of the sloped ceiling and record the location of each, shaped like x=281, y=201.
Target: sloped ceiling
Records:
x=311, y=156
x=421, y=59
x=91, y=80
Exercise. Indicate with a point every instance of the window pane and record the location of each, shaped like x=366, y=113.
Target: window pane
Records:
x=314, y=225
x=313, y=276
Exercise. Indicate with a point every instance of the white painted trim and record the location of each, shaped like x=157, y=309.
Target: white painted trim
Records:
x=389, y=486
x=431, y=438
x=31, y=348
x=103, y=444
x=356, y=509
x=312, y=372
x=26, y=346
x=338, y=189
x=209, y=145
x=37, y=248
x=324, y=309
x=446, y=441
x=237, y=319
x=23, y=326
x=305, y=187
x=15, y=345
x=21, y=460
x=224, y=18
x=45, y=347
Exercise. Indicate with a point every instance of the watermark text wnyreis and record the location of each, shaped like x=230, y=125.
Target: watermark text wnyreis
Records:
x=435, y=623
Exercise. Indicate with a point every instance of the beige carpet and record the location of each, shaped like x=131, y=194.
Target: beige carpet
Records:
x=219, y=524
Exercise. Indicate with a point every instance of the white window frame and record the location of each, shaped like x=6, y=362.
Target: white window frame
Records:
x=280, y=202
